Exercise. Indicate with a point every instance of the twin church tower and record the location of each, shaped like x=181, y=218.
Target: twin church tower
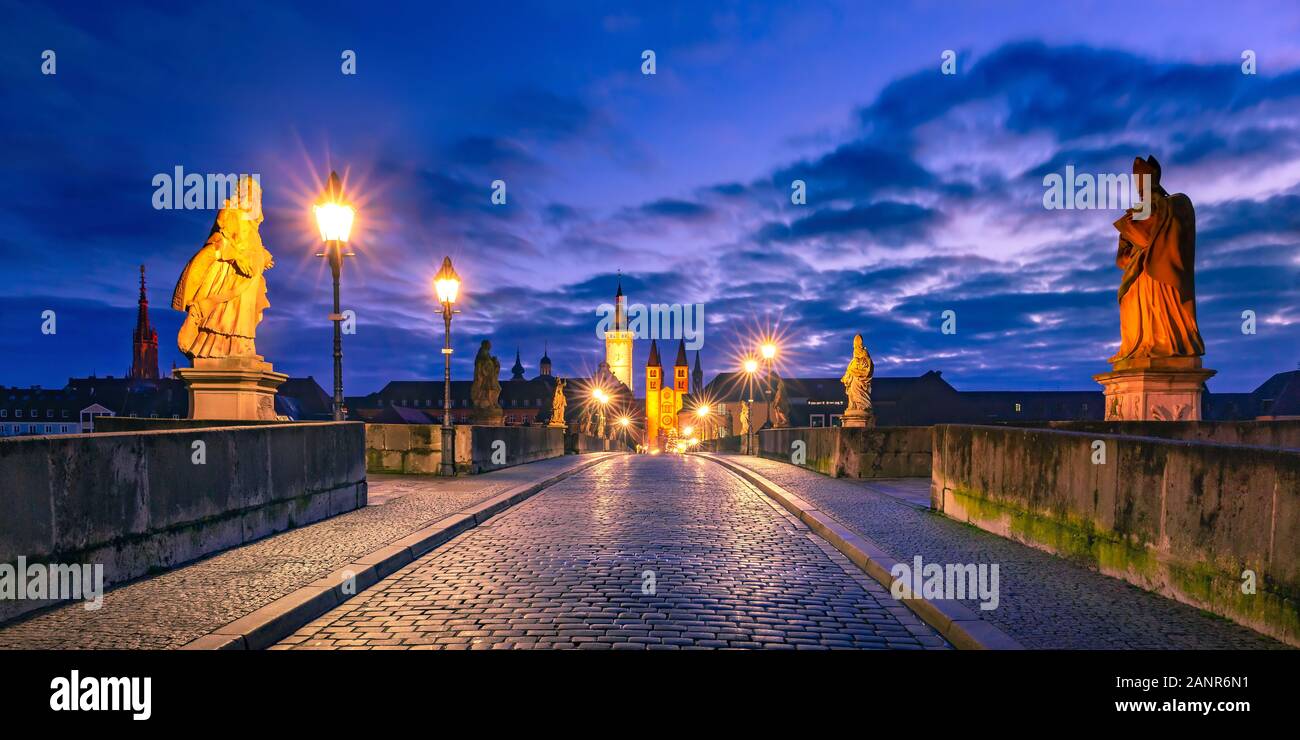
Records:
x=663, y=399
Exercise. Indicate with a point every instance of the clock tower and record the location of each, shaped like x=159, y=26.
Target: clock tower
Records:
x=618, y=342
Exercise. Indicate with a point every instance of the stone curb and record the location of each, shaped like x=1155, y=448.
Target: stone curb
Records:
x=275, y=621
x=955, y=621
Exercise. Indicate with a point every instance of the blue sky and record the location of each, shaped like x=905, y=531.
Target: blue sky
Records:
x=924, y=190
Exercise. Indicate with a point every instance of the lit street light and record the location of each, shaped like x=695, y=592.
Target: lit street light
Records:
x=334, y=218
x=447, y=285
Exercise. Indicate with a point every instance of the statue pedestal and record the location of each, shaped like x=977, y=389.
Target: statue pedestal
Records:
x=489, y=417
x=558, y=425
x=858, y=419
x=1155, y=389
x=232, y=388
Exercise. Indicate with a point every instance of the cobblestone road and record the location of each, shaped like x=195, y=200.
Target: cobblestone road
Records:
x=173, y=608
x=1045, y=602
x=570, y=568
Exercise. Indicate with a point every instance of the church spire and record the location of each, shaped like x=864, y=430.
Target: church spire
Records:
x=144, y=341
x=697, y=375
x=517, y=372
x=544, y=366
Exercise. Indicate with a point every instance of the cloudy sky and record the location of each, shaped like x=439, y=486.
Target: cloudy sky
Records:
x=924, y=190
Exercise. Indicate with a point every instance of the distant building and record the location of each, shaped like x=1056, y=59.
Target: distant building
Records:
x=144, y=342
x=523, y=401
x=928, y=399
x=74, y=408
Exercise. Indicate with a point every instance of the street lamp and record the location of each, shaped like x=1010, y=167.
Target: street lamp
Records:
x=334, y=218
x=603, y=399
x=751, y=367
x=768, y=351
x=447, y=284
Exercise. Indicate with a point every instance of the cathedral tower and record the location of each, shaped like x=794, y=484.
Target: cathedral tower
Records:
x=618, y=342
x=697, y=376
x=144, y=345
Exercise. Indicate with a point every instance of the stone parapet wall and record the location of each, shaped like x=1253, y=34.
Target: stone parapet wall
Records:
x=879, y=452
x=135, y=502
x=1190, y=520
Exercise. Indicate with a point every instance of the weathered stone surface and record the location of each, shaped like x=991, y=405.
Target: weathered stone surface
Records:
x=1181, y=518
x=134, y=501
x=880, y=452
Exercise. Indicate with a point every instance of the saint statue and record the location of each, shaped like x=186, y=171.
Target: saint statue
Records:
x=486, y=388
x=744, y=418
x=557, y=404
x=857, y=385
x=222, y=289
x=780, y=406
x=1157, y=296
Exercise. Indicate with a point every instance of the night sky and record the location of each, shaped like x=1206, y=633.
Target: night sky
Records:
x=924, y=190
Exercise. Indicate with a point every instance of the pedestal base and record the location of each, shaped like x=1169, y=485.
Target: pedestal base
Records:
x=858, y=419
x=493, y=417
x=232, y=388
x=1155, y=389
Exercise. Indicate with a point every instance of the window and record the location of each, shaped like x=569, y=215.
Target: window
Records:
x=4, y=413
x=817, y=420
x=836, y=421
x=65, y=413
x=18, y=413
x=1017, y=408
x=49, y=413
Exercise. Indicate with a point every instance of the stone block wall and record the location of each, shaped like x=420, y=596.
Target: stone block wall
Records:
x=1185, y=519
x=880, y=452
x=140, y=501
x=416, y=449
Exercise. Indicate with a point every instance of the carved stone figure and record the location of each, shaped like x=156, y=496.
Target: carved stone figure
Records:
x=486, y=388
x=1156, y=375
x=744, y=418
x=222, y=289
x=557, y=404
x=857, y=386
x=780, y=406
x=1157, y=295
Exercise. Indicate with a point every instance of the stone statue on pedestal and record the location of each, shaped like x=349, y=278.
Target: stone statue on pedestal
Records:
x=857, y=387
x=486, y=388
x=222, y=291
x=557, y=405
x=1157, y=373
x=780, y=406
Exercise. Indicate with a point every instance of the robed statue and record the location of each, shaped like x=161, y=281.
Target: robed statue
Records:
x=557, y=404
x=857, y=386
x=744, y=418
x=1157, y=295
x=486, y=388
x=222, y=289
x=780, y=405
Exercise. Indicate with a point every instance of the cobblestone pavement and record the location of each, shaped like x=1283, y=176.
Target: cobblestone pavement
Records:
x=173, y=608
x=1045, y=602
x=569, y=569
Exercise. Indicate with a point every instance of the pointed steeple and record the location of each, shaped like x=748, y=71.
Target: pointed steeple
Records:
x=697, y=375
x=144, y=341
x=517, y=372
x=681, y=354
x=653, y=360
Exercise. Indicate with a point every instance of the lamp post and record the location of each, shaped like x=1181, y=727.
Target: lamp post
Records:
x=751, y=367
x=447, y=285
x=768, y=351
x=602, y=400
x=334, y=218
